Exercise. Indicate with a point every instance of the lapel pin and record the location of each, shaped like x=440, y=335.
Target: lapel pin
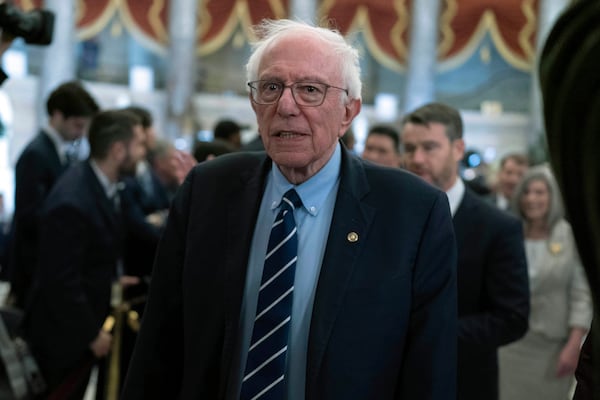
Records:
x=555, y=248
x=352, y=237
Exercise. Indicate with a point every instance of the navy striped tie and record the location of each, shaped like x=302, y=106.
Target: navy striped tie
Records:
x=264, y=377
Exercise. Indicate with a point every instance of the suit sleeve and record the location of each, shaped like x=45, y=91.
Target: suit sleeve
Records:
x=63, y=242
x=135, y=219
x=429, y=369
x=155, y=370
x=505, y=317
x=32, y=187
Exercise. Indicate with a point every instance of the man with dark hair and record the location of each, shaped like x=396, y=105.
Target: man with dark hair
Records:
x=204, y=151
x=383, y=146
x=70, y=108
x=80, y=251
x=146, y=120
x=230, y=132
x=147, y=190
x=512, y=168
x=146, y=204
x=493, y=286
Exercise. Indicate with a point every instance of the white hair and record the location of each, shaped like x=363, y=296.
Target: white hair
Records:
x=269, y=31
x=543, y=173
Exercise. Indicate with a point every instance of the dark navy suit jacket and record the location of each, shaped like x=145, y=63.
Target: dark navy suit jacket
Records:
x=80, y=243
x=493, y=292
x=384, y=319
x=36, y=172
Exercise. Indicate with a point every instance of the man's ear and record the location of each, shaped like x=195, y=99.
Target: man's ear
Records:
x=352, y=109
x=56, y=115
x=458, y=149
x=117, y=150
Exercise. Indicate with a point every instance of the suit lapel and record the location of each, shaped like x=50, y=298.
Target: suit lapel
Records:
x=351, y=215
x=242, y=212
x=349, y=227
x=105, y=207
x=57, y=165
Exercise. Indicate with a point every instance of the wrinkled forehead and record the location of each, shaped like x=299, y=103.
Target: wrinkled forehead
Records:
x=304, y=55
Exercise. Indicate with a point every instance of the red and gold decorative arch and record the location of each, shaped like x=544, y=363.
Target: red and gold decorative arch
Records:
x=384, y=24
x=512, y=25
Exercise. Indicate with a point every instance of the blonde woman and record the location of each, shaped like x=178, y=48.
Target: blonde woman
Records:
x=541, y=365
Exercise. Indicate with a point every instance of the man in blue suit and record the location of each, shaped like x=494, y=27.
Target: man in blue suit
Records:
x=374, y=298
x=70, y=108
x=493, y=284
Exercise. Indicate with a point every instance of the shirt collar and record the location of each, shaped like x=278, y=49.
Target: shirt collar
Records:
x=60, y=144
x=502, y=202
x=142, y=168
x=314, y=191
x=110, y=188
x=455, y=195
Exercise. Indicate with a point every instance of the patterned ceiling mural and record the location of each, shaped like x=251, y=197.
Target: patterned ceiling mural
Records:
x=385, y=24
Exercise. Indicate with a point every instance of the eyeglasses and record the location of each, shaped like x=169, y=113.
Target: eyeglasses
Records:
x=306, y=94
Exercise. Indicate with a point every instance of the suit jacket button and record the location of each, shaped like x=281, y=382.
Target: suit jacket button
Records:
x=352, y=237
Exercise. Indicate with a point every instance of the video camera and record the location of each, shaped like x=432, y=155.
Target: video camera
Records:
x=35, y=26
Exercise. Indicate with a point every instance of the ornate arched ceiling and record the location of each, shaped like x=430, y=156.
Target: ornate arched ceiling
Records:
x=384, y=24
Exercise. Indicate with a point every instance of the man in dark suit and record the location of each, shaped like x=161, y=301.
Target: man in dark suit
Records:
x=145, y=196
x=382, y=146
x=149, y=192
x=70, y=108
x=493, y=287
x=512, y=168
x=374, y=299
x=79, y=255
x=228, y=131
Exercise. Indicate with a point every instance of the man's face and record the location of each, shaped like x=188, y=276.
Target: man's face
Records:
x=509, y=176
x=236, y=140
x=381, y=150
x=166, y=167
x=301, y=140
x=135, y=151
x=150, y=135
x=429, y=153
x=71, y=128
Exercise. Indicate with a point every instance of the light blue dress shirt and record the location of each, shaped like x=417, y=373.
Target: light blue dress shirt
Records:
x=313, y=220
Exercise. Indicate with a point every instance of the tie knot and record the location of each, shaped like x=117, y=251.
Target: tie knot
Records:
x=291, y=200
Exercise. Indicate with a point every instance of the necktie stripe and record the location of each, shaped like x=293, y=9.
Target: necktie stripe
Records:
x=267, y=361
x=268, y=335
x=281, y=271
x=273, y=304
x=278, y=246
x=265, y=372
x=265, y=390
x=292, y=206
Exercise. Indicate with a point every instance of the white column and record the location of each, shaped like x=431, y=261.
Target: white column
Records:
x=181, y=65
x=58, y=58
x=422, y=54
x=304, y=10
x=549, y=11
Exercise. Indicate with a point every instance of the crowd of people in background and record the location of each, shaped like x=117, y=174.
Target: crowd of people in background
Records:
x=86, y=231
x=94, y=220
x=547, y=295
